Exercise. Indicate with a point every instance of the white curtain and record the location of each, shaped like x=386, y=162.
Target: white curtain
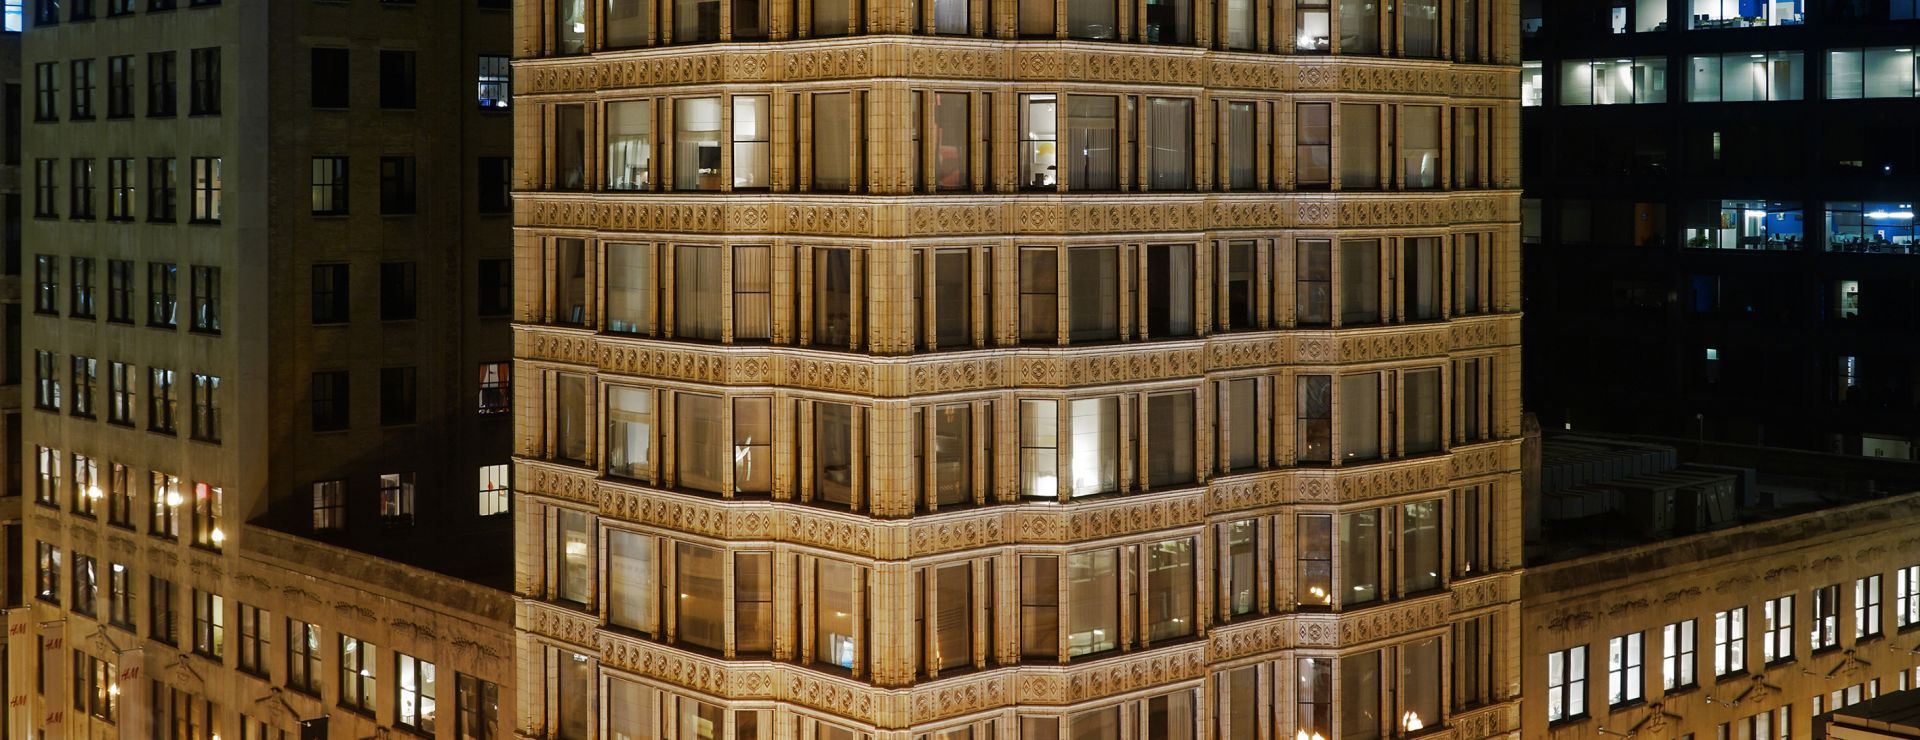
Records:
x=752, y=292
x=1170, y=151
x=750, y=130
x=950, y=16
x=630, y=145
x=1093, y=156
x=1420, y=146
x=630, y=288
x=629, y=22
x=696, y=144
x=832, y=141
x=1242, y=151
x=697, y=288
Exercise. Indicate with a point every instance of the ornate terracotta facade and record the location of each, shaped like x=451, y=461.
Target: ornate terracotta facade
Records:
x=908, y=431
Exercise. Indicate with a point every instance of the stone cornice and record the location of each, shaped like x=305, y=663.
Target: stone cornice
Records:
x=1007, y=215
x=1026, y=61
x=1007, y=368
x=1007, y=525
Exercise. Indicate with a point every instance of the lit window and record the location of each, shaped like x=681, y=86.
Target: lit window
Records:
x=1567, y=684
x=494, y=489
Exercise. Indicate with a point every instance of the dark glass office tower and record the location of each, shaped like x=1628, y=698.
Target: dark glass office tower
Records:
x=1719, y=219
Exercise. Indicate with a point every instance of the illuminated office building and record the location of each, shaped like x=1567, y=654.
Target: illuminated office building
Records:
x=1723, y=193
x=1042, y=369
x=268, y=346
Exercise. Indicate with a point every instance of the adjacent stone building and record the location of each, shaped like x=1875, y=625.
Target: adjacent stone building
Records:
x=268, y=346
x=1017, y=369
x=1808, y=603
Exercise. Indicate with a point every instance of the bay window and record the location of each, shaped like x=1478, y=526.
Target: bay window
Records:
x=570, y=418
x=1169, y=145
x=570, y=147
x=1093, y=602
x=703, y=457
x=753, y=603
x=1312, y=26
x=1238, y=565
x=570, y=282
x=632, y=600
x=1420, y=28
x=1093, y=19
x=572, y=556
x=1420, y=538
x=1094, y=454
x=837, y=278
x=839, y=601
x=1169, y=281
x=1360, y=282
x=1170, y=590
x=1361, y=695
x=1419, y=147
x=1039, y=127
x=1240, y=153
x=752, y=127
x=1420, y=411
x=1093, y=139
x=1237, y=17
x=1359, y=26
x=1313, y=422
x=1359, y=143
x=1039, y=295
x=1093, y=294
x=696, y=21
x=696, y=143
x=949, y=613
x=697, y=288
x=1359, y=558
x=1236, y=297
x=1315, y=535
x=1420, y=278
x=628, y=23
x=1420, y=670
x=1168, y=431
x=1240, y=422
x=837, y=453
x=630, y=433
x=630, y=299
x=946, y=440
x=1313, y=144
x=700, y=607
x=945, y=297
x=1313, y=699
x=1039, y=606
x=835, y=131
x=1359, y=403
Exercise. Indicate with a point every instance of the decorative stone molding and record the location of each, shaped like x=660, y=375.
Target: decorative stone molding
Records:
x=953, y=698
x=1381, y=622
x=553, y=622
x=1252, y=638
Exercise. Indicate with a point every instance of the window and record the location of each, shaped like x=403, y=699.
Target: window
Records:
x=163, y=86
x=495, y=78
x=1866, y=607
x=1613, y=81
x=1360, y=282
x=206, y=82
x=160, y=609
x=478, y=708
x=1093, y=141
x=834, y=130
x=570, y=142
x=160, y=190
x=396, y=185
x=86, y=585
x=631, y=435
x=496, y=287
x=1039, y=134
x=46, y=188
x=162, y=281
x=494, y=489
x=573, y=557
x=1567, y=684
x=1716, y=14
x=357, y=680
x=416, y=706
x=630, y=144
x=81, y=99
x=209, y=624
x=751, y=128
x=46, y=381
x=206, y=408
x=80, y=202
x=1168, y=428
x=1420, y=411
x=120, y=496
x=253, y=640
x=398, y=291
x=329, y=192
x=161, y=400
x=1359, y=552
x=330, y=407
x=206, y=299
x=570, y=422
x=1730, y=641
x=96, y=687
x=1314, y=419
x=206, y=189
x=835, y=310
x=47, y=558
x=86, y=485
x=330, y=78
x=1169, y=145
x=396, y=498
x=1360, y=417
x=164, y=492
x=1626, y=678
x=1359, y=144
x=1871, y=73
x=120, y=189
x=496, y=396
x=1743, y=77
x=1906, y=604
x=330, y=294
x=120, y=596
x=1826, y=617
x=1776, y=642
x=46, y=91
x=329, y=505
x=80, y=302
x=1677, y=655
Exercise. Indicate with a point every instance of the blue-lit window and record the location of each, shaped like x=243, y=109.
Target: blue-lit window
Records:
x=1613, y=81
x=494, y=76
x=1714, y=14
x=1747, y=224
x=15, y=16
x=1746, y=76
x=1872, y=73
x=1903, y=10
x=1870, y=227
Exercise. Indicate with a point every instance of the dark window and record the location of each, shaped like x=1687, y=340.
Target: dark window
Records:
x=80, y=303
x=496, y=287
x=206, y=299
x=46, y=91
x=82, y=10
x=162, y=301
x=330, y=78
x=46, y=13
x=397, y=291
x=120, y=291
x=81, y=193
x=206, y=80
x=160, y=5
x=13, y=123
x=161, y=403
x=329, y=400
x=329, y=186
x=46, y=279
x=119, y=86
x=396, y=185
x=496, y=189
x=397, y=395
x=160, y=189
x=120, y=189
x=46, y=188
x=496, y=81
x=163, y=87
x=396, y=79
x=330, y=294
x=119, y=7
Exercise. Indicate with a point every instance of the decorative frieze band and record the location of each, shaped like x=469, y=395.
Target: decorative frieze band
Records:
x=1007, y=214
x=893, y=539
x=1003, y=369
x=1001, y=60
